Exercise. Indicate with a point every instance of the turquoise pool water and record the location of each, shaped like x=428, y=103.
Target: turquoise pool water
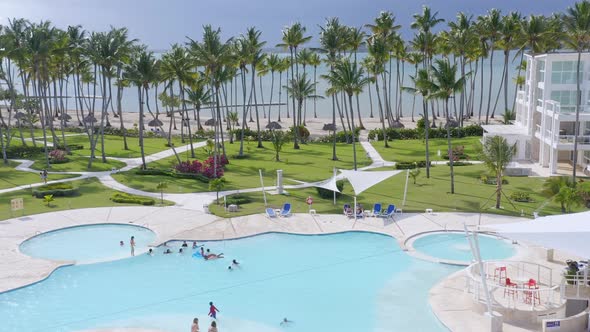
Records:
x=87, y=244
x=343, y=282
x=455, y=246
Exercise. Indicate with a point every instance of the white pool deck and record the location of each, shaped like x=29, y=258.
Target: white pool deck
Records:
x=447, y=299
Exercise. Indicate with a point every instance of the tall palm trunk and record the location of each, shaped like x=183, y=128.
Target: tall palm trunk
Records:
x=295, y=129
x=140, y=96
x=381, y=112
x=449, y=146
x=577, y=123
x=517, y=75
x=315, y=91
x=370, y=102
x=244, y=111
x=272, y=85
x=481, y=87
x=256, y=106
x=426, y=132
x=353, y=131
x=491, y=79
x=280, y=94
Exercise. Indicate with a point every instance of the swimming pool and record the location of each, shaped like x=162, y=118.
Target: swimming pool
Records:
x=87, y=244
x=342, y=282
x=455, y=246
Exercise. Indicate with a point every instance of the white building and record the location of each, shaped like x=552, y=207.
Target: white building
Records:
x=545, y=112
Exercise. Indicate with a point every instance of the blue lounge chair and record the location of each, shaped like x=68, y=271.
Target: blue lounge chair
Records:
x=271, y=213
x=389, y=212
x=376, y=210
x=286, y=211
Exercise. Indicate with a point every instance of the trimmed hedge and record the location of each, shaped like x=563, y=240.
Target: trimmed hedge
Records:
x=70, y=147
x=329, y=194
x=56, y=189
x=237, y=199
x=411, y=164
x=521, y=196
x=24, y=151
x=132, y=199
x=404, y=133
x=460, y=163
x=170, y=173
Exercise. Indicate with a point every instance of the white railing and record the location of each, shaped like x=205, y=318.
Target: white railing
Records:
x=538, y=129
x=576, y=283
x=569, y=139
x=519, y=273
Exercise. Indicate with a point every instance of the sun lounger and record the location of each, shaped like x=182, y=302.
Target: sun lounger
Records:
x=270, y=213
x=347, y=210
x=389, y=212
x=376, y=210
x=286, y=211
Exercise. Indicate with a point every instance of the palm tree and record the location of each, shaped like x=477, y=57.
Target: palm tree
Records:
x=332, y=41
x=493, y=24
x=379, y=53
x=415, y=59
x=315, y=60
x=461, y=39
x=349, y=78
x=255, y=56
x=293, y=37
x=577, y=28
x=198, y=94
x=213, y=55
x=496, y=153
x=554, y=185
x=273, y=62
x=509, y=30
x=283, y=66
x=355, y=39
x=300, y=88
x=423, y=87
x=444, y=85
x=142, y=71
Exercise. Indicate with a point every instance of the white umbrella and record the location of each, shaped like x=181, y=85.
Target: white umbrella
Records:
x=363, y=180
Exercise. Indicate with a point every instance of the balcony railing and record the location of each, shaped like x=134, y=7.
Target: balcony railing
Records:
x=569, y=139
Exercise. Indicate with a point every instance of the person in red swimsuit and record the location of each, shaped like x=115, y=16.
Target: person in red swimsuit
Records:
x=213, y=310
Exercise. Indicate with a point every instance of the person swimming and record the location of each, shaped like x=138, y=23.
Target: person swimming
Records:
x=151, y=252
x=180, y=251
x=234, y=263
x=286, y=322
x=195, y=245
x=210, y=255
x=168, y=251
x=121, y=243
x=184, y=244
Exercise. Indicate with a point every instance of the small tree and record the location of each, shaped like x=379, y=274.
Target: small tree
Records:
x=278, y=139
x=568, y=197
x=48, y=199
x=496, y=153
x=161, y=186
x=217, y=185
x=554, y=185
x=414, y=174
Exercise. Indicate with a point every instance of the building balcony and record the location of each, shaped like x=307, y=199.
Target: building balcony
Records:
x=569, y=139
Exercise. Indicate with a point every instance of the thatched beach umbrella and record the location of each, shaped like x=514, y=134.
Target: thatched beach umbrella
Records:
x=155, y=123
x=397, y=124
x=65, y=117
x=274, y=125
x=329, y=127
x=210, y=122
x=90, y=119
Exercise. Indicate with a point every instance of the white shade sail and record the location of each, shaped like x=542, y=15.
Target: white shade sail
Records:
x=363, y=180
x=329, y=184
x=566, y=232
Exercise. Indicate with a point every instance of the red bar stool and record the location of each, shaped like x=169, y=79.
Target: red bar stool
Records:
x=532, y=295
x=510, y=288
x=500, y=273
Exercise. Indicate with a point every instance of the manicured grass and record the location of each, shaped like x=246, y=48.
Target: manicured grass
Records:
x=310, y=163
x=77, y=164
x=92, y=194
x=9, y=177
x=415, y=150
x=470, y=195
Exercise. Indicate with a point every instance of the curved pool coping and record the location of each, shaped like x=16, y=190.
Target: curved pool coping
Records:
x=452, y=222
x=409, y=243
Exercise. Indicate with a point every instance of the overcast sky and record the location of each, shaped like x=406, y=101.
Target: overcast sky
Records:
x=159, y=23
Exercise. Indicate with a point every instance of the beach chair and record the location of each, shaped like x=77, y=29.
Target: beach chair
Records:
x=270, y=213
x=286, y=211
x=347, y=210
x=389, y=212
x=376, y=210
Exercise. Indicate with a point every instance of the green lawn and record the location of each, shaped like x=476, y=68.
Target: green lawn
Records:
x=415, y=150
x=310, y=163
x=9, y=177
x=92, y=194
x=470, y=195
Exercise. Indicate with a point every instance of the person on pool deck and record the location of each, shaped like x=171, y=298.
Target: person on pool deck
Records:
x=132, y=244
x=213, y=310
x=168, y=251
x=195, y=326
x=184, y=244
x=213, y=327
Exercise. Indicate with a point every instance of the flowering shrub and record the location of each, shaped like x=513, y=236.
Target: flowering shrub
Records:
x=57, y=155
x=206, y=168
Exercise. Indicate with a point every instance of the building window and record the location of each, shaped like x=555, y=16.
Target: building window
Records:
x=566, y=99
x=564, y=72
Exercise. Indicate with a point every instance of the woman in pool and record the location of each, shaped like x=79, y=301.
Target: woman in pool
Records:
x=151, y=252
x=132, y=244
x=195, y=326
x=121, y=243
x=168, y=251
x=211, y=255
x=213, y=327
x=184, y=244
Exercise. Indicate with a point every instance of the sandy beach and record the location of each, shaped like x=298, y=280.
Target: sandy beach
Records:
x=314, y=125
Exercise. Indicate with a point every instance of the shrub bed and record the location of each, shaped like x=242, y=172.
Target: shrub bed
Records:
x=404, y=133
x=23, y=151
x=132, y=199
x=411, y=164
x=329, y=194
x=237, y=199
x=56, y=189
x=70, y=147
x=171, y=173
x=521, y=196
x=460, y=163
x=491, y=180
